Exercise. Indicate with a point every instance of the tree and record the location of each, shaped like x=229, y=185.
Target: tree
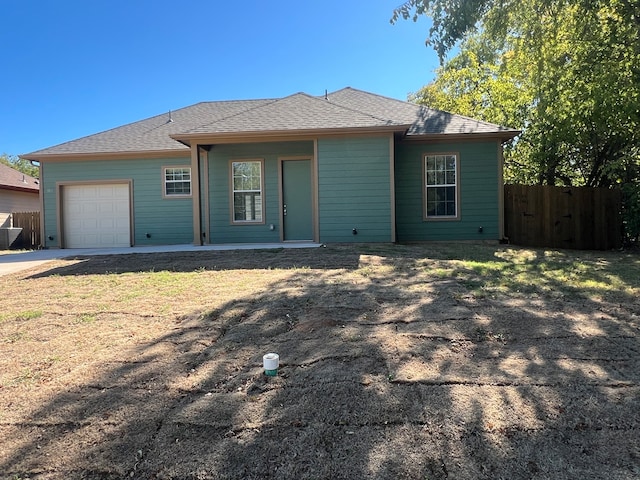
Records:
x=565, y=72
x=453, y=20
x=20, y=164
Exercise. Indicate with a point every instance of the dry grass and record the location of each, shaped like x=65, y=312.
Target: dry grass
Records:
x=426, y=362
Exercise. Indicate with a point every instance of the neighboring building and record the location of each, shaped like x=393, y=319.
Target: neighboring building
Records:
x=298, y=168
x=18, y=193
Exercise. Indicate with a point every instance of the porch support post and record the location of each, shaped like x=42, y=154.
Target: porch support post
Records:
x=195, y=194
x=203, y=173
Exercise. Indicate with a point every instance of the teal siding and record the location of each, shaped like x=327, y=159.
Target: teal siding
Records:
x=479, y=193
x=354, y=189
x=220, y=222
x=167, y=220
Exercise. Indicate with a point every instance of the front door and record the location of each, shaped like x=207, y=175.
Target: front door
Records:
x=297, y=217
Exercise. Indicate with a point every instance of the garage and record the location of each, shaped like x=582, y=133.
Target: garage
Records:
x=96, y=215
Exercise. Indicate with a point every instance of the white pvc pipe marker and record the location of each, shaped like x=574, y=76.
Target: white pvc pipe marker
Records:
x=271, y=362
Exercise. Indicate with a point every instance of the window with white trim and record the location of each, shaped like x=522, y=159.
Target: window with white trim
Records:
x=246, y=179
x=177, y=181
x=441, y=186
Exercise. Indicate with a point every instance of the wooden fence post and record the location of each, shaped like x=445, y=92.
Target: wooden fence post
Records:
x=30, y=224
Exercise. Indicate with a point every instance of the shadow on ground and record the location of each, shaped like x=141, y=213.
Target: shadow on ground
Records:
x=388, y=371
x=316, y=258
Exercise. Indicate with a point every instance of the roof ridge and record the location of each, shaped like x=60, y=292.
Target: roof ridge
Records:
x=212, y=102
x=351, y=109
x=404, y=102
x=270, y=101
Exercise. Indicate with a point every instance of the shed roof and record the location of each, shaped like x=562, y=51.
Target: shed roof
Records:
x=344, y=110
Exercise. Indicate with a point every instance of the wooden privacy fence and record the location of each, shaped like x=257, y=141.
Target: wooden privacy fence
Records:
x=29, y=222
x=583, y=218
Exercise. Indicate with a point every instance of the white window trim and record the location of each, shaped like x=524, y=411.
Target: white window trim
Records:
x=164, y=182
x=232, y=192
x=440, y=218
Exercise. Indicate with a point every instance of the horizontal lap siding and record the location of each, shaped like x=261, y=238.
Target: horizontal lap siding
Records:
x=167, y=220
x=354, y=189
x=222, y=230
x=479, y=193
x=13, y=201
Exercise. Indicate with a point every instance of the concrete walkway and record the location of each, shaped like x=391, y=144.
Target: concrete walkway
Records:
x=18, y=261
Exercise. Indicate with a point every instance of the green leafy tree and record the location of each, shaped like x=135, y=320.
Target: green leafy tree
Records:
x=453, y=20
x=565, y=72
x=20, y=164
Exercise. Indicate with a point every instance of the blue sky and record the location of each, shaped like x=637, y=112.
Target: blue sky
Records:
x=71, y=68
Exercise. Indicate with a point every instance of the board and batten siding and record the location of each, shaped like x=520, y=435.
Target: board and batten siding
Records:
x=221, y=226
x=167, y=220
x=354, y=189
x=479, y=179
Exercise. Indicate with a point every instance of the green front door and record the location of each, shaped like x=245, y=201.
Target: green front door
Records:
x=296, y=200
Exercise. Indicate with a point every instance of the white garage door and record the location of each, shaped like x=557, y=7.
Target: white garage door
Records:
x=96, y=216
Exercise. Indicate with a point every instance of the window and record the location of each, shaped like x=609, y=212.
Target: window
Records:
x=177, y=181
x=441, y=186
x=246, y=178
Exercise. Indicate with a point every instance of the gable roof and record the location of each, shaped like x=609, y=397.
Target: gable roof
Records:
x=12, y=179
x=298, y=114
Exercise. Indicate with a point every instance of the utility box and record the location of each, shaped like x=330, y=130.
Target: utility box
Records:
x=9, y=237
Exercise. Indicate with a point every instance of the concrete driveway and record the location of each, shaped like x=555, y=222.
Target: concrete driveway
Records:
x=12, y=262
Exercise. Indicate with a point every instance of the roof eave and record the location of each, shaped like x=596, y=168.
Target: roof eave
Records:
x=34, y=190
x=123, y=155
x=188, y=139
x=278, y=135
x=503, y=136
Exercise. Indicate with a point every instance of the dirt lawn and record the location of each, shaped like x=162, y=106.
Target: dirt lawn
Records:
x=396, y=362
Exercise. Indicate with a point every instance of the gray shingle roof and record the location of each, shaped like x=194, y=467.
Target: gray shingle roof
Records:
x=344, y=109
x=153, y=134
x=403, y=112
x=423, y=120
x=296, y=112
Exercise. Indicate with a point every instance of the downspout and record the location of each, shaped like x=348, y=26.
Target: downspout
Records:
x=195, y=194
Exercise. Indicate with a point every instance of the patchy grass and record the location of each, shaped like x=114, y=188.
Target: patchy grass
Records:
x=524, y=272
x=17, y=336
x=397, y=361
x=20, y=315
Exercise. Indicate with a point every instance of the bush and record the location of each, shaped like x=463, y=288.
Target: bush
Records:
x=631, y=213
